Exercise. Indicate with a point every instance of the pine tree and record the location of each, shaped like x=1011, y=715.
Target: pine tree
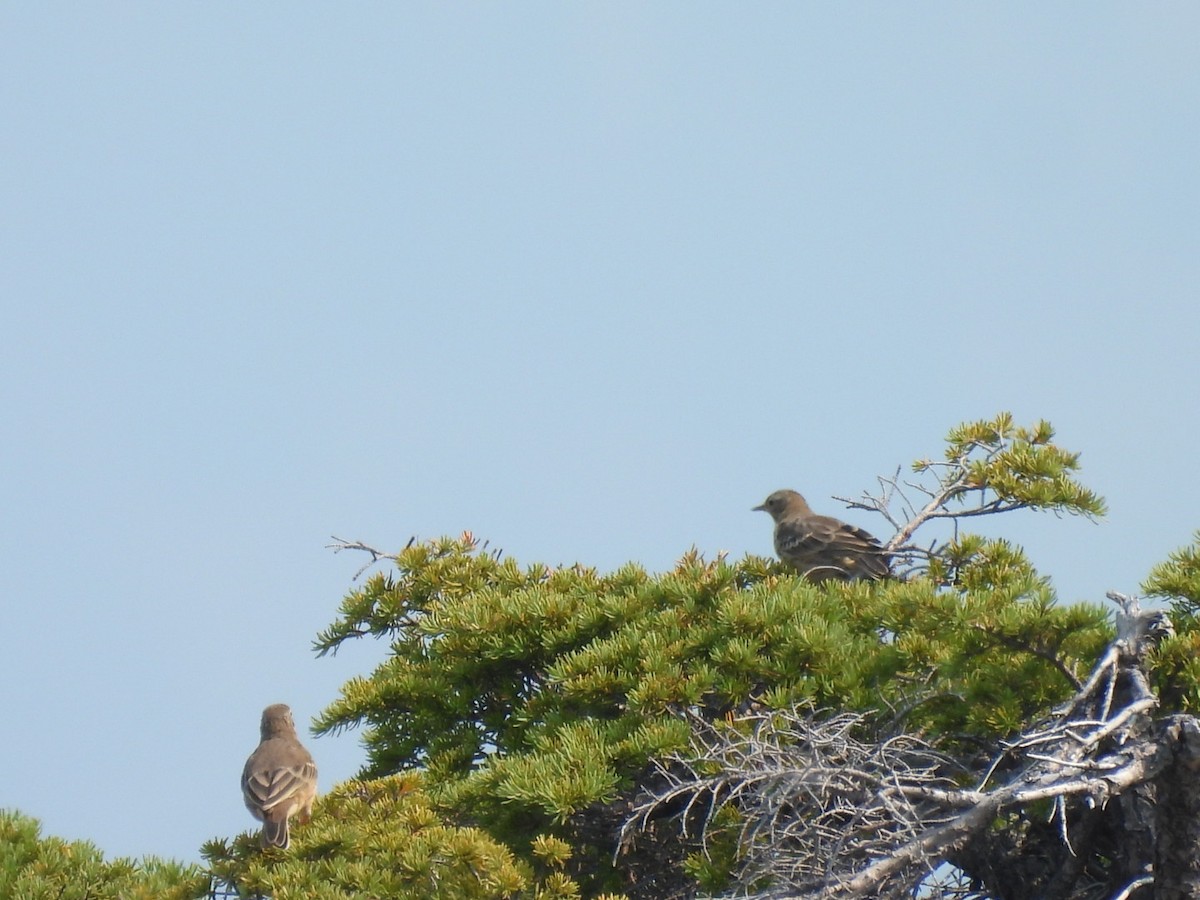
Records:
x=542, y=731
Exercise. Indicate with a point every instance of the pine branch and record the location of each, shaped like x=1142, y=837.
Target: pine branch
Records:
x=1026, y=647
x=826, y=812
x=1007, y=467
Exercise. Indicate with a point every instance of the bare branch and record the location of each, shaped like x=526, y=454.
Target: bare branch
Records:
x=340, y=544
x=828, y=811
x=1133, y=886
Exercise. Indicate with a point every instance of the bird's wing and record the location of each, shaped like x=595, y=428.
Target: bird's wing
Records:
x=823, y=541
x=278, y=775
x=271, y=787
x=797, y=537
x=862, y=551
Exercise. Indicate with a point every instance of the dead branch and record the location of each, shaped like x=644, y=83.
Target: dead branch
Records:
x=340, y=544
x=830, y=809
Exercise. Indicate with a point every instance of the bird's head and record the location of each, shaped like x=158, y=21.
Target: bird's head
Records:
x=782, y=504
x=276, y=721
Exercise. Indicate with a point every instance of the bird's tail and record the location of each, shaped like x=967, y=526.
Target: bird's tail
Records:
x=275, y=834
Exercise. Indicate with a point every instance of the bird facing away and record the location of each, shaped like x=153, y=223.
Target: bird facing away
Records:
x=821, y=547
x=280, y=778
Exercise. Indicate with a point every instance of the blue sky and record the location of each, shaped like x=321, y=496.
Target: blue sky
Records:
x=587, y=279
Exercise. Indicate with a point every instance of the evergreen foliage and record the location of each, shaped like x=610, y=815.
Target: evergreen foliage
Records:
x=535, y=697
x=1177, y=670
x=1178, y=579
x=383, y=838
x=33, y=867
x=524, y=712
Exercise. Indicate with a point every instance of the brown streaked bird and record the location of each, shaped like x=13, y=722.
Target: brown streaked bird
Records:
x=280, y=777
x=821, y=547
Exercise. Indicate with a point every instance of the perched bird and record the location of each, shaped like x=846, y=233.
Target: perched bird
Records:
x=822, y=547
x=280, y=778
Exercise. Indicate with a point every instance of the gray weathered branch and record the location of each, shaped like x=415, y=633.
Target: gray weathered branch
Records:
x=829, y=812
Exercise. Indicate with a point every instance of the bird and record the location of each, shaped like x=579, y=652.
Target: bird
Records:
x=280, y=777
x=823, y=548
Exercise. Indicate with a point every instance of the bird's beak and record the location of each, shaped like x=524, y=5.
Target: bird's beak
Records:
x=762, y=507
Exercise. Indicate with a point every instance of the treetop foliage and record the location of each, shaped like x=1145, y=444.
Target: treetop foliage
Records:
x=377, y=838
x=1021, y=467
x=1177, y=666
x=1178, y=579
x=535, y=697
x=34, y=867
x=525, y=712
